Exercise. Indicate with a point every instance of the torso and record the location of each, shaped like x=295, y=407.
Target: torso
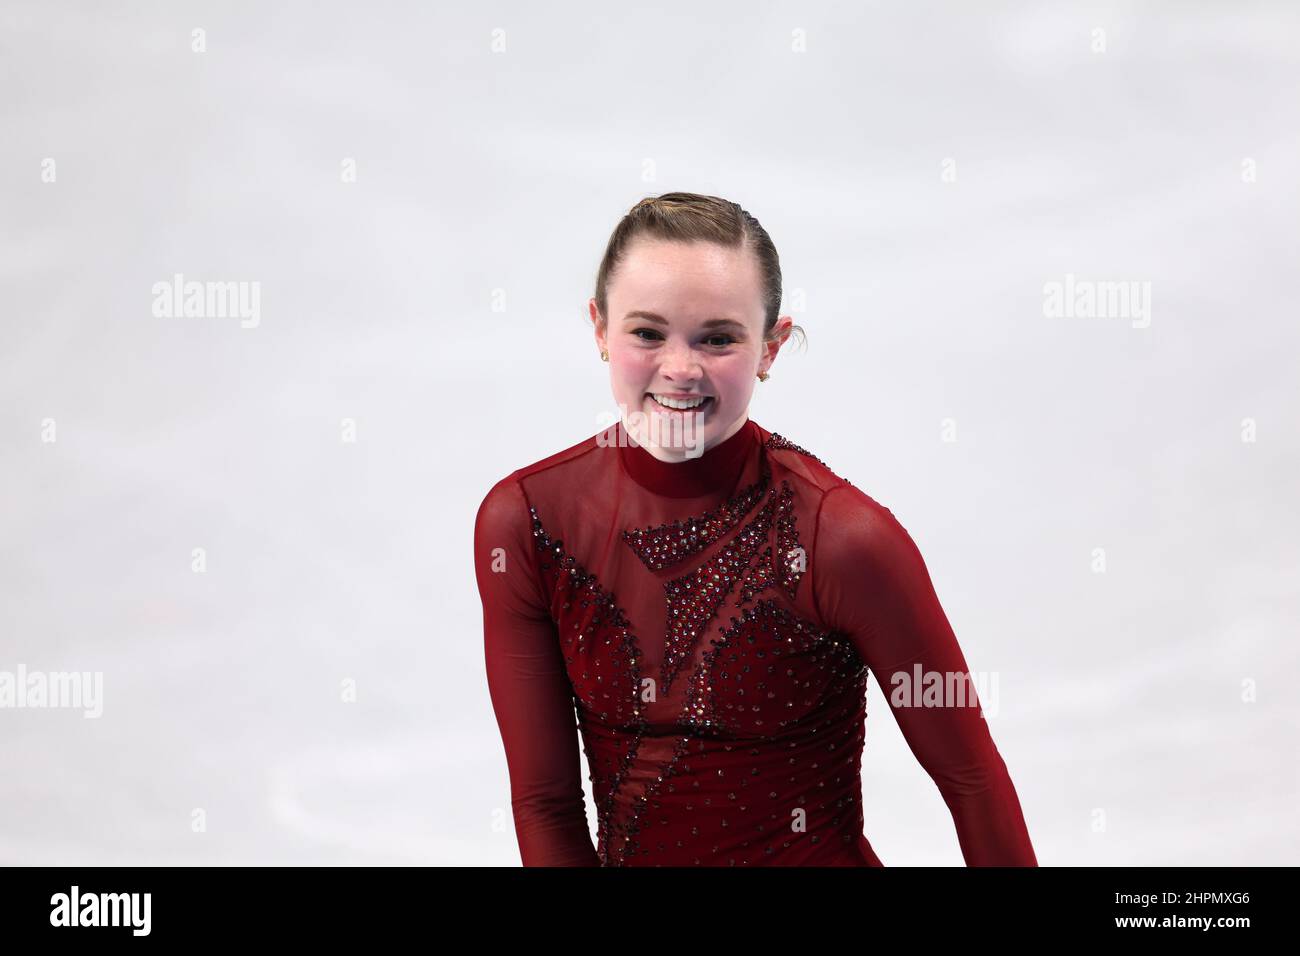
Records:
x=723, y=723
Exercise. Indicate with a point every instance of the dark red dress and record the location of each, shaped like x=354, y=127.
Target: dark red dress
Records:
x=711, y=622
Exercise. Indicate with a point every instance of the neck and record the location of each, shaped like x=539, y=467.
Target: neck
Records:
x=716, y=469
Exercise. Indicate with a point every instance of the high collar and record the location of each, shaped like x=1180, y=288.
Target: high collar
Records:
x=717, y=469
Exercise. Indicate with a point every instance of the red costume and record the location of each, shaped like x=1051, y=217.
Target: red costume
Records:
x=711, y=623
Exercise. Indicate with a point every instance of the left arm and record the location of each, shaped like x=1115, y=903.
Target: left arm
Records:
x=870, y=582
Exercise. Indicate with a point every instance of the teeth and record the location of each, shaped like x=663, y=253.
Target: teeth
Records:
x=679, y=403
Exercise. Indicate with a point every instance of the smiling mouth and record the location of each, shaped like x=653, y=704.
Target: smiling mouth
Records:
x=681, y=406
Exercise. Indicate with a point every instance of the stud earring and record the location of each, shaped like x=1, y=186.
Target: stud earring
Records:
x=763, y=376
x=604, y=356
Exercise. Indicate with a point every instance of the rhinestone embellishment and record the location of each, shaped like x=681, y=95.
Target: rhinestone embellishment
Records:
x=668, y=544
x=767, y=720
x=693, y=600
x=618, y=703
x=780, y=441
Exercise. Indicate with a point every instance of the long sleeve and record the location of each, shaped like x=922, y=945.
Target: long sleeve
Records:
x=530, y=690
x=871, y=583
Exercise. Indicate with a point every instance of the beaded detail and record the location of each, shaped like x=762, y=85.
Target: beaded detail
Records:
x=758, y=576
x=772, y=703
x=693, y=600
x=780, y=441
x=754, y=647
x=792, y=560
x=629, y=844
x=668, y=544
x=760, y=630
x=619, y=702
x=664, y=545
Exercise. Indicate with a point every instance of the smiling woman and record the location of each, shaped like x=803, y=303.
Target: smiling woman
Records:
x=710, y=613
x=693, y=287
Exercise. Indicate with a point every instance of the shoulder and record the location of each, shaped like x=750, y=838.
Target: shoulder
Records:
x=832, y=493
x=797, y=463
x=852, y=523
x=509, y=499
x=858, y=535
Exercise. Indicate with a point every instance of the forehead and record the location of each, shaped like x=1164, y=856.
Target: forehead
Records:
x=687, y=280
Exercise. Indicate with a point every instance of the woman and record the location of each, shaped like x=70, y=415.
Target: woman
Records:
x=710, y=597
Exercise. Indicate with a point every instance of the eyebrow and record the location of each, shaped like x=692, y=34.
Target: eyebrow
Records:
x=708, y=323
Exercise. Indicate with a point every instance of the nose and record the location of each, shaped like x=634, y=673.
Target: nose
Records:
x=680, y=365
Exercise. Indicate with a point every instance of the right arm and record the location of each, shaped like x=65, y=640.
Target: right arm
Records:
x=530, y=689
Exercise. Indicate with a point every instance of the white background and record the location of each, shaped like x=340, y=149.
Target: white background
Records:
x=495, y=177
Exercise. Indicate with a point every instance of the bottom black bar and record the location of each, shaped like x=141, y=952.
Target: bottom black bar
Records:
x=336, y=906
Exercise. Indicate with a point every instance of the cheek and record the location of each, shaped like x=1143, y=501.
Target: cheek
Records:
x=629, y=376
x=733, y=376
x=633, y=371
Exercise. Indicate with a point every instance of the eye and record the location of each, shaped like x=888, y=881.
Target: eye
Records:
x=717, y=339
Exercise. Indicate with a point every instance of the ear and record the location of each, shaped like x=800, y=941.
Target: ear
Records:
x=600, y=328
x=780, y=333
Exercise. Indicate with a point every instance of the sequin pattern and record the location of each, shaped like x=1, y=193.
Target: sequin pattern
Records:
x=792, y=561
x=774, y=696
x=597, y=634
x=694, y=599
x=771, y=703
x=780, y=441
x=663, y=546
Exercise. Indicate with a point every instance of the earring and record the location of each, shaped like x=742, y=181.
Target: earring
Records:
x=763, y=376
x=604, y=356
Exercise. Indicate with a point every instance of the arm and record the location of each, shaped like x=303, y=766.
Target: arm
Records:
x=530, y=690
x=871, y=582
